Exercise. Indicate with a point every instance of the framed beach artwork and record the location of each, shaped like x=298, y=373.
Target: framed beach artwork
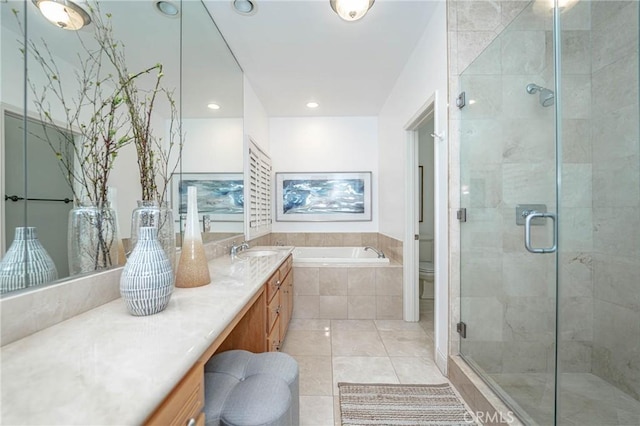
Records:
x=220, y=195
x=323, y=197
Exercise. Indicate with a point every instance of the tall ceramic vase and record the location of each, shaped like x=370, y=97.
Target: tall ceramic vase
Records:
x=160, y=216
x=92, y=238
x=193, y=269
x=147, y=279
x=26, y=263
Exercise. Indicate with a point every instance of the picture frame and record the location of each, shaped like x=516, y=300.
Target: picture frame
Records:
x=323, y=197
x=220, y=195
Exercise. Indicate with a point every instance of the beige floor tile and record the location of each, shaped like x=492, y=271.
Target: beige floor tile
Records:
x=418, y=370
x=362, y=370
x=315, y=375
x=316, y=410
x=362, y=325
x=356, y=343
x=397, y=325
x=407, y=343
x=313, y=343
x=310, y=324
x=337, y=419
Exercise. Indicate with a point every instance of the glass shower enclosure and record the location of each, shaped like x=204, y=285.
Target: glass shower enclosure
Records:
x=550, y=180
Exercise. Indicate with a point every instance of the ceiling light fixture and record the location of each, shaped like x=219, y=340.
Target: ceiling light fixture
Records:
x=312, y=105
x=351, y=10
x=213, y=106
x=167, y=8
x=63, y=13
x=244, y=7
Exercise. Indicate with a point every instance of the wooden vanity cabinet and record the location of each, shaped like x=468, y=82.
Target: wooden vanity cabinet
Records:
x=280, y=304
x=259, y=327
x=184, y=405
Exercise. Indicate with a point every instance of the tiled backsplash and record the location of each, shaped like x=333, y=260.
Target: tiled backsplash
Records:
x=390, y=246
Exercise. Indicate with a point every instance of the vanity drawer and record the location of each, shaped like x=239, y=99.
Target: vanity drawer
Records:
x=273, y=310
x=273, y=339
x=185, y=403
x=285, y=267
x=273, y=285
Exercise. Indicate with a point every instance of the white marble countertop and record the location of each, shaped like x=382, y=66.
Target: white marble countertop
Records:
x=108, y=367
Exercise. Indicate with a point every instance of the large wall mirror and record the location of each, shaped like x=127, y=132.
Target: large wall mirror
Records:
x=204, y=83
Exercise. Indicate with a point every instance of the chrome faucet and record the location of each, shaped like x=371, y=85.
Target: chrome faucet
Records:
x=379, y=252
x=235, y=249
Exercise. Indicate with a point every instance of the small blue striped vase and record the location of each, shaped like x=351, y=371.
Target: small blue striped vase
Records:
x=147, y=279
x=26, y=263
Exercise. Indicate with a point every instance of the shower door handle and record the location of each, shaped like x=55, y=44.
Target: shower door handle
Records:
x=527, y=233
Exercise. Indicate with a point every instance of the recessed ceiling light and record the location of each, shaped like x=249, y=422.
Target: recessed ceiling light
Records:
x=167, y=8
x=213, y=106
x=312, y=105
x=64, y=14
x=351, y=10
x=244, y=7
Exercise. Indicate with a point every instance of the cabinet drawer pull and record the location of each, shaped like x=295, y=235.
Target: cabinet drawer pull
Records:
x=278, y=284
x=192, y=422
x=278, y=309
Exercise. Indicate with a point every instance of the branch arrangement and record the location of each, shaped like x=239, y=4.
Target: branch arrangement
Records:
x=108, y=111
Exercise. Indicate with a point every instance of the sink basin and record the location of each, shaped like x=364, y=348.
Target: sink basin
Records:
x=257, y=253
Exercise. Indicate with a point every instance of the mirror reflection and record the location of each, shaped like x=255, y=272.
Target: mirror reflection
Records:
x=50, y=163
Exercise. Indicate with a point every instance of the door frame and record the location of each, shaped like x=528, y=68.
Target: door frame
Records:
x=435, y=105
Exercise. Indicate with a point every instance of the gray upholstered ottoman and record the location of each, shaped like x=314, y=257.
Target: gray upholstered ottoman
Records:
x=247, y=389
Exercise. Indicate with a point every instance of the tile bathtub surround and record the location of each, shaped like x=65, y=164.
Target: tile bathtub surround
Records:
x=348, y=292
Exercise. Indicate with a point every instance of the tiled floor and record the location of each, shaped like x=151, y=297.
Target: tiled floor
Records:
x=360, y=351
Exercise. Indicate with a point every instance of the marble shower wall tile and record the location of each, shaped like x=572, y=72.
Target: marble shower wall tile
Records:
x=610, y=46
x=616, y=194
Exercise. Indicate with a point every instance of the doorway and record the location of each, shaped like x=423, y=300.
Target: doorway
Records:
x=44, y=202
x=425, y=202
x=432, y=119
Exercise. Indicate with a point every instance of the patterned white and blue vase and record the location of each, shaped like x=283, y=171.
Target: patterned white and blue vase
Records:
x=147, y=279
x=26, y=263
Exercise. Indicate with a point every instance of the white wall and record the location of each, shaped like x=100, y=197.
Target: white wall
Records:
x=212, y=144
x=256, y=120
x=326, y=144
x=424, y=74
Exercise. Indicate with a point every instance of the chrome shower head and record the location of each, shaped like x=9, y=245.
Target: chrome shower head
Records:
x=547, y=97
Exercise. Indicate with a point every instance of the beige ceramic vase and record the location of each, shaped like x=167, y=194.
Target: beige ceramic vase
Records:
x=193, y=268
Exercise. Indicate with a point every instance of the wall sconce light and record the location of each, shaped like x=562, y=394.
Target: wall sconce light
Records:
x=63, y=13
x=351, y=10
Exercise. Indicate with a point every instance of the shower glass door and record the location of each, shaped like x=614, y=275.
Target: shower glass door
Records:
x=552, y=126
x=508, y=188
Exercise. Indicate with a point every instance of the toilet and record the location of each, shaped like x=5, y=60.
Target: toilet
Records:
x=426, y=274
x=426, y=269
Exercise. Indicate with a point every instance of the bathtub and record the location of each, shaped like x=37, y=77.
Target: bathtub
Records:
x=336, y=255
